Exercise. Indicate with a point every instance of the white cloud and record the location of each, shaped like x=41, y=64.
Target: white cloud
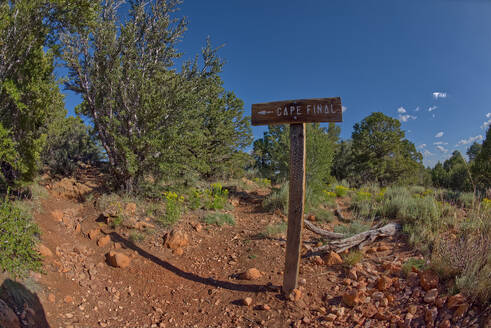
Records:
x=439, y=134
x=401, y=110
x=486, y=124
x=422, y=146
x=488, y=115
x=405, y=118
x=433, y=115
x=442, y=149
x=427, y=153
x=432, y=108
x=344, y=108
x=440, y=143
x=437, y=95
x=416, y=109
x=469, y=140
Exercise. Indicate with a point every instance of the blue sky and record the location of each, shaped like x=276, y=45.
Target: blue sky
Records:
x=425, y=62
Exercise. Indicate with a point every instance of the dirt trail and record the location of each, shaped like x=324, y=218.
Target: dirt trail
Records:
x=201, y=288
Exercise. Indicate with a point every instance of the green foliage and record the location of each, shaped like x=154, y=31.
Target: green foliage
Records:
x=352, y=258
x=381, y=154
x=18, y=239
x=418, y=264
x=173, y=208
x=341, y=191
x=152, y=118
x=262, y=182
x=219, y=219
x=277, y=199
x=29, y=95
x=454, y=174
x=136, y=237
x=353, y=228
x=272, y=153
x=273, y=230
x=68, y=144
x=481, y=167
x=216, y=197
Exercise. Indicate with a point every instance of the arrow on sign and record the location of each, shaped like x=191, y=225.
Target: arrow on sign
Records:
x=264, y=112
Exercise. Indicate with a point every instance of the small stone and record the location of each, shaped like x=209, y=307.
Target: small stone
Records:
x=430, y=316
x=412, y=309
x=247, y=301
x=176, y=239
x=352, y=274
x=103, y=241
x=331, y=317
x=455, y=300
x=431, y=295
x=460, y=312
x=351, y=298
x=302, y=281
x=198, y=227
x=93, y=233
x=440, y=301
x=306, y=320
x=384, y=283
x=118, y=260
x=264, y=307
x=428, y=279
x=250, y=274
x=318, y=260
x=179, y=251
x=68, y=299
x=384, y=302
x=377, y=296
x=51, y=298
x=45, y=251
x=333, y=258
x=444, y=324
x=68, y=315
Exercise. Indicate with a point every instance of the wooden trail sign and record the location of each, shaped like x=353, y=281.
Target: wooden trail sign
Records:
x=296, y=113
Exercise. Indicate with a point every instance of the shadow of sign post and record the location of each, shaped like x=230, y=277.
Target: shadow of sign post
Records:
x=296, y=113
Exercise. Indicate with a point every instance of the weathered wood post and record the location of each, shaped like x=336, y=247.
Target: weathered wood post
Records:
x=296, y=113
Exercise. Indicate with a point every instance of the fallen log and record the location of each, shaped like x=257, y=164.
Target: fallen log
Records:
x=359, y=240
x=328, y=234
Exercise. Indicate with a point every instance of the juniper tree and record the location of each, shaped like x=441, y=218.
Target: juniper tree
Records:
x=151, y=117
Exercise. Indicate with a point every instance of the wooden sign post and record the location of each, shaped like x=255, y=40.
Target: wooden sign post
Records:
x=296, y=113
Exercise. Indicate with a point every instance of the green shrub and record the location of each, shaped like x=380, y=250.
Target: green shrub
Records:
x=68, y=144
x=219, y=219
x=411, y=263
x=466, y=199
x=275, y=229
x=352, y=258
x=341, y=191
x=173, y=208
x=136, y=236
x=262, y=182
x=352, y=229
x=18, y=240
x=323, y=215
x=277, y=199
x=216, y=197
x=195, y=197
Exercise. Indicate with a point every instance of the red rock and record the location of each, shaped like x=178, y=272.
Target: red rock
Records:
x=440, y=301
x=250, y=274
x=384, y=283
x=431, y=295
x=428, y=279
x=460, y=312
x=430, y=316
x=296, y=294
x=351, y=298
x=352, y=274
x=57, y=215
x=247, y=301
x=52, y=298
x=118, y=260
x=331, y=317
x=318, y=260
x=178, y=251
x=444, y=324
x=103, y=241
x=94, y=233
x=455, y=300
x=333, y=258
x=412, y=309
x=264, y=307
x=175, y=239
x=8, y=318
x=68, y=299
x=45, y=251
